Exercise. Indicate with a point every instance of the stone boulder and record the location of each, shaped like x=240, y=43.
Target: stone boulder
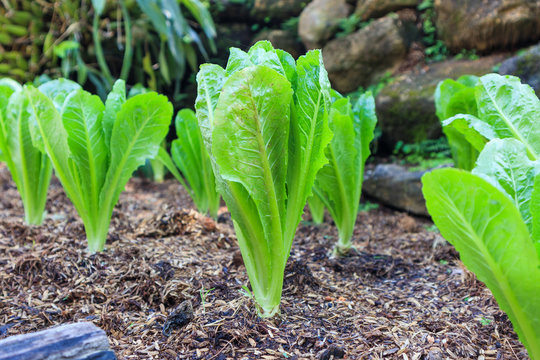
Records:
x=397, y=187
x=367, y=9
x=319, y=21
x=487, y=25
x=277, y=10
x=230, y=35
x=405, y=107
x=364, y=57
x=282, y=39
x=526, y=66
x=229, y=11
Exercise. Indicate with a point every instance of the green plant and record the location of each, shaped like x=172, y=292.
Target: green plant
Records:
x=153, y=42
x=347, y=26
x=339, y=183
x=425, y=154
x=435, y=48
x=367, y=206
x=264, y=122
x=191, y=157
x=453, y=97
x=94, y=148
x=316, y=208
x=492, y=215
x=30, y=169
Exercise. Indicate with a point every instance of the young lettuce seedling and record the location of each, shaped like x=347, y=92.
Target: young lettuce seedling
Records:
x=191, y=157
x=339, y=183
x=316, y=207
x=453, y=97
x=94, y=148
x=264, y=121
x=492, y=215
x=30, y=169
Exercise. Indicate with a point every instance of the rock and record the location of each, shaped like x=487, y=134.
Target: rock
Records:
x=367, y=9
x=230, y=35
x=526, y=66
x=395, y=186
x=277, y=10
x=229, y=11
x=319, y=21
x=364, y=57
x=486, y=25
x=282, y=39
x=405, y=107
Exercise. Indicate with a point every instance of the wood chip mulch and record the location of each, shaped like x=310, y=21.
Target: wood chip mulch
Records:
x=170, y=286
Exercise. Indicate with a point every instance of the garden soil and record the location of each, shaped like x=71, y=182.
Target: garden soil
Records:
x=171, y=285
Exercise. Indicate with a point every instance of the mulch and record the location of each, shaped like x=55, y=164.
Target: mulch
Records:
x=171, y=282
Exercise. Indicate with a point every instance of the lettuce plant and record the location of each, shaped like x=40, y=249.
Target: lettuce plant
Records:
x=191, y=157
x=30, y=169
x=264, y=121
x=492, y=214
x=95, y=147
x=316, y=207
x=339, y=183
x=453, y=97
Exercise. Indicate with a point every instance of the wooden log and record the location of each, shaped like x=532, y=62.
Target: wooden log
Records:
x=78, y=341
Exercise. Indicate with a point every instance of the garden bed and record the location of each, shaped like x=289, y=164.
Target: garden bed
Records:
x=402, y=295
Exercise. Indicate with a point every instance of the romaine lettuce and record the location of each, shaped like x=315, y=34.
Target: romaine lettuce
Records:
x=94, y=148
x=492, y=215
x=30, y=168
x=339, y=183
x=191, y=157
x=264, y=120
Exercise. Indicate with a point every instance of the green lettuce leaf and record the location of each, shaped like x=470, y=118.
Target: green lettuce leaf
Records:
x=113, y=104
x=190, y=155
x=309, y=135
x=504, y=163
x=30, y=169
x=140, y=126
x=339, y=183
x=453, y=98
x=511, y=109
x=493, y=241
x=316, y=207
x=82, y=118
x=535, y=212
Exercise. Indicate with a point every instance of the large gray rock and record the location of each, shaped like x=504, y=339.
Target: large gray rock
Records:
x=282, y=39
x=365, y=56
x=367, y=9
x=405, y=107
x=319, y=21
x=277, y=10
x=485, y=25
x=395, y=186
x=526, y=66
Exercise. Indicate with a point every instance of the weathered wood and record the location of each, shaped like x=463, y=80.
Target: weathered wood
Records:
x=78, y=341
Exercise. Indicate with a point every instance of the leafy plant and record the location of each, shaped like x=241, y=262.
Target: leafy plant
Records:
x=95, y=147
x=339, y=183
x=30, y=169
x=492, y=215
x=191, y=157
x=453, y=97
x=425, y=154
x=264, y=121
x=435, y=50
x=351, y=24
x=316, y=208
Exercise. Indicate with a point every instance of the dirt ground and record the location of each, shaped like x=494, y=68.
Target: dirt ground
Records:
x=169, y=286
